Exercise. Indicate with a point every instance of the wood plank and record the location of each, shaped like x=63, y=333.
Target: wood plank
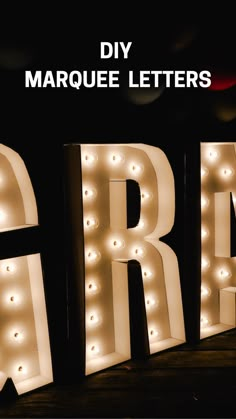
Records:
x=71, y=402
x=186, y=381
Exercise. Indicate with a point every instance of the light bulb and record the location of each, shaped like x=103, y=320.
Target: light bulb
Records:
x=116, y=159
x=204, y=322
x=146, y=273
x=145, y=196
x=8, y=268
x=14, y=299
x=226, y=172
x=93, y=319
x=90, y=223
x=138, y=251
x=136, y=169
x=117, y=244
x=94, y=350
x=21, y=369
x=205, y=291
x=88, y=193
x=212, y=155
x=205, y=263
x=89, y=159
x=224, y=273
x=93, y=256
x=204, y=202
x=204, y=233
x=204, y=172
x=91, y=287
x=18, y=337
x=151, y=302
x=153, y=333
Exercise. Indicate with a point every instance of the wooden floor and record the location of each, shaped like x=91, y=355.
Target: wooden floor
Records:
x=188, y=381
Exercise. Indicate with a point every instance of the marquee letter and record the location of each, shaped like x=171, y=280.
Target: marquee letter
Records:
x=24, y=341
x=218, y=193
x=109, y=245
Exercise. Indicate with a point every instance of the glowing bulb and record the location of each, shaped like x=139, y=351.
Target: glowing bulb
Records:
x=90, y=223
x=223, y=273
x=204, y=202
x=146, y=273
x=93, y=319
x=204, y=233
x=212, y=155
x=205, y=291
x=89, y=159
x=117, y=244
x=150, y=302
x=18, y=336
x=88, y=193
x=145, y=196
x=138, y=252
x=91, y=287
x=93, y=256
x=94, y=350
x=14, y=299
x=8, y=268
x=204, y=322
x=3, y=216
x=136, y=169
x=205, y=263
x=153, y=333
x=226, y=172
x=117, y=158
x=22, y=369
x=204, y=172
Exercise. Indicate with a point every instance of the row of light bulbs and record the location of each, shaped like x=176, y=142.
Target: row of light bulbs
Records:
x=205, y=201
x=114, y=159
x=225, y=172
x=91, y=223
x=221, y=273
x=95, y=320
x=93, y=255
x=92, y=287
x=89, y=193
x=212, y=155
x=13, y=299
x=95, y=349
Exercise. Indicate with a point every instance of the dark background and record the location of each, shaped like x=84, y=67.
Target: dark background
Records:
x=37, y=122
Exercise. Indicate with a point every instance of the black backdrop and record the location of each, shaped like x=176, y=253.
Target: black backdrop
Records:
x=37, y=122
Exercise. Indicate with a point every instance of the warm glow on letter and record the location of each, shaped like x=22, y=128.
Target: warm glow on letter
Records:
x=24, y=341
x=218, y=167
x=109, y=245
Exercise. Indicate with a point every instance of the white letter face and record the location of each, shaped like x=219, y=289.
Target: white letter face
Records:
x=24, y=342
x=109, y=245
x=218, y=189
x=104, y=47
